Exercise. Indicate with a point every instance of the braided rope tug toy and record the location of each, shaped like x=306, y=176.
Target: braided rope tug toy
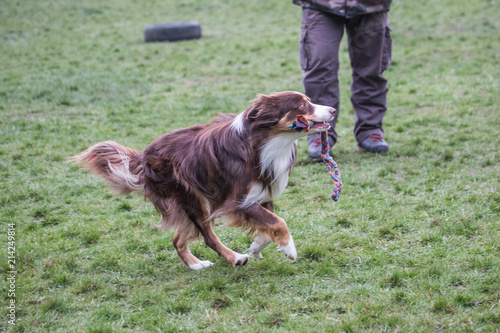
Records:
x=302, y=124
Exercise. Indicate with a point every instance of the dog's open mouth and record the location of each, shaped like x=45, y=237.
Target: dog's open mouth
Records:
x=322, y=126
x=304, y=124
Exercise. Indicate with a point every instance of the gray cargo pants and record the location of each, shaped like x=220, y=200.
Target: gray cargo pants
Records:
x=369, y=44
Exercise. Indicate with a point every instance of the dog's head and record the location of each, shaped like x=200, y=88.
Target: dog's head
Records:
x=278, y=111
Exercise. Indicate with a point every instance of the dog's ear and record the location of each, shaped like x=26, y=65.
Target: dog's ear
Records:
x=255, y=109
x=263, y=107
x=253, y=112
x=267, y=110
x=264, y=111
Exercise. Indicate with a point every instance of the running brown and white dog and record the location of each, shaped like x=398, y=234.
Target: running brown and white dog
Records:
x=233, y=167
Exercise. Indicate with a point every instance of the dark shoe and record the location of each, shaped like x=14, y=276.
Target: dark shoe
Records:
x=375, y=143
x=314, y=146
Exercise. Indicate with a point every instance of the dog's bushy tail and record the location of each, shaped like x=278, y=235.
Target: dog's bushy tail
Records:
x=120, y=166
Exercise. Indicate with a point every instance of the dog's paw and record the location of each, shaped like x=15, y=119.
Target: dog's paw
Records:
x=201, y=265
x=241, y=259
x=289, y=250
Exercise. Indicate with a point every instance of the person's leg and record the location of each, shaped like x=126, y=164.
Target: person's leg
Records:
x=320, y=38
x=370, y=52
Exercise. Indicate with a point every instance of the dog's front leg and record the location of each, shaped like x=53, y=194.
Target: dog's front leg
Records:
x=271, y=228
x=259, y=243
x=261, y=240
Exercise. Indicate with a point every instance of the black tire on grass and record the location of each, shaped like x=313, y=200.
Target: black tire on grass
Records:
x=172, y=31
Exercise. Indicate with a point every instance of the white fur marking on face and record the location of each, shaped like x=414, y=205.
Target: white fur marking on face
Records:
x=237, y=123
x=259, y=243
x=322, y=112
x=289, y=250
x=201, y=265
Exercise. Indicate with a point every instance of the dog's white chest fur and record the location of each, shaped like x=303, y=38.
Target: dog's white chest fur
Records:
x=276, y=157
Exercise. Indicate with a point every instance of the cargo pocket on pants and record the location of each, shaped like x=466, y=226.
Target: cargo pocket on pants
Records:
x=387, y=52
x=304, y=55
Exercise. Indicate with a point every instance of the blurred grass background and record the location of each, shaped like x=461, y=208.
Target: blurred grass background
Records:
x=412, y=245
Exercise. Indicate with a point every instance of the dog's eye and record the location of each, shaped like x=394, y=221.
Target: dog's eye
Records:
x=303, y=105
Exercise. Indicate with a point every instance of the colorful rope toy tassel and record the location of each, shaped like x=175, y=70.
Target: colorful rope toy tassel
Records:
x=333, y=170
x=301, y=124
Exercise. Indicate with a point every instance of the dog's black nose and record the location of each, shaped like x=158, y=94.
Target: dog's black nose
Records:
x=332, y=111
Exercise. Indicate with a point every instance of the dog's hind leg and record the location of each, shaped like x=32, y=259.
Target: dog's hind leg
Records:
x=175, y=217
x=181, y=241
x=213, y=242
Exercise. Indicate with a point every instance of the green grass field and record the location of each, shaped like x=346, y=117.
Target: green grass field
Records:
x=412, y=245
